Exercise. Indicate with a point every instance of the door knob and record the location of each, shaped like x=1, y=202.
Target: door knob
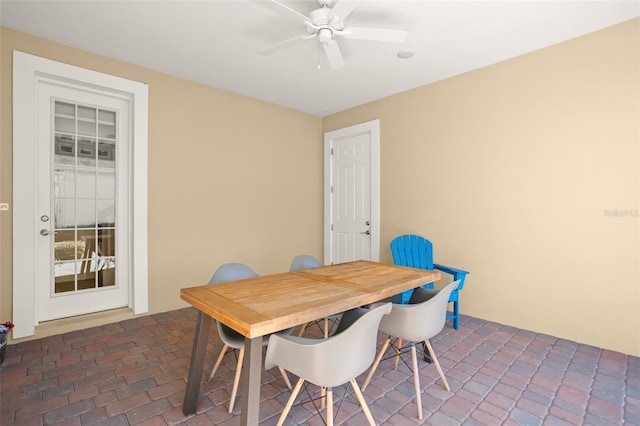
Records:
x=44, y=232
x=367, y=232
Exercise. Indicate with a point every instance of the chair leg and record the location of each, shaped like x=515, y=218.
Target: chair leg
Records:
x=329, y=407
x=285, y=377
x=375, y=363
x=416, y=379
x=302, y=329
x=395, y=364
x=363, y=403
x=218, y=361
x=326, y=328
x=456, y=320
x=437, y=364
x=290, y=402
x=236, y=379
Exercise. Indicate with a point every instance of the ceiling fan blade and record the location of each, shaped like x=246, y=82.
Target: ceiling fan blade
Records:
x=334, y=55
x=286, y=43
x=283, y=10
x=374, y=34
x=342, y=9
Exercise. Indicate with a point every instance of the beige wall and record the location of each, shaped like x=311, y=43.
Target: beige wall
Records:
x=511, y=170
x=230, y=178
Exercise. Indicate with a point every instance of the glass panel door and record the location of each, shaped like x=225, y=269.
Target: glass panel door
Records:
x=84, y=198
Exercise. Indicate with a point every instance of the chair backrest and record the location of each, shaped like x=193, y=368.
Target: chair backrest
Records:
x=354, y=349
x=412, y=250
x=304, y=261
x=419, y=320
x=230, y=272
x=334, y=361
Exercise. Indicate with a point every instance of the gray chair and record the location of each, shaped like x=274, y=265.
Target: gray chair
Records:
x=413, y=323
x=329, y=362
x=231, y=338
x=305, y=261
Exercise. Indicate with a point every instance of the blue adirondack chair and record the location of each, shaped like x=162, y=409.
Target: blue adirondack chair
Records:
x=417, y=252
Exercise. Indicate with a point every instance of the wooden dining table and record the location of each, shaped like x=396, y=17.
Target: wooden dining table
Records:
x=258, y=306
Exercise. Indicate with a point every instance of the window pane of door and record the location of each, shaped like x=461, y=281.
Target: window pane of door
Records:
x=84, y=198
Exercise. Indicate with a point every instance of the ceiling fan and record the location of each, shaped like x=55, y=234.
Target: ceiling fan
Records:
x=326, y=24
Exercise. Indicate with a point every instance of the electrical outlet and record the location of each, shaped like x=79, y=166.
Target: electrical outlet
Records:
x=4, y=207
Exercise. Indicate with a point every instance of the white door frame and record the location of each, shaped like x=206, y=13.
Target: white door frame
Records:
x=373, y=128
x=28, y=70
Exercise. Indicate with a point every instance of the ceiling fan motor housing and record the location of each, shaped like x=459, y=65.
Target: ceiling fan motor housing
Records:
x=323, y=25
x=320, y=17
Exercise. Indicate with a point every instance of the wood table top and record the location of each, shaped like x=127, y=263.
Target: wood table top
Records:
x=266, y=304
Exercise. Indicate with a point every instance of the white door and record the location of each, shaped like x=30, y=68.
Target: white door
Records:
x=352, y=193
x=82, y=198
x=79, y=192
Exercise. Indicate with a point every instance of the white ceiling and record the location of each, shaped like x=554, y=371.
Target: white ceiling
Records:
x=215, y=42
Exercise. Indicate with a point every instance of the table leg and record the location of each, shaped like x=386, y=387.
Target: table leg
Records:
x=197, y=364
x=251, y=370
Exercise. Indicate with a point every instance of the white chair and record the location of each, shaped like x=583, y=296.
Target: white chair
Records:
x=415, y=323
x=329, y=362
x=305, y=261
x=231, y=338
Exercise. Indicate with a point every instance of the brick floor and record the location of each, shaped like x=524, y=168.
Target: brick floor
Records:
x=134, y=372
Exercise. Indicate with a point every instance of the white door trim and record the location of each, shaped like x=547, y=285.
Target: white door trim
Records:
x=373, y=128
x=27, y=71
